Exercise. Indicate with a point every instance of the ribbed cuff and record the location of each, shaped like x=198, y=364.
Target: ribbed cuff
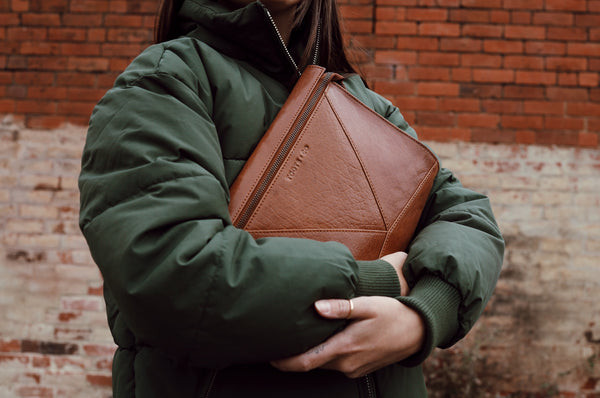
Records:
x=377, y=278
x=437, y=302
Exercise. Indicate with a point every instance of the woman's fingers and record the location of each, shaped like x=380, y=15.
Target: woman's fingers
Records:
x=357, y=308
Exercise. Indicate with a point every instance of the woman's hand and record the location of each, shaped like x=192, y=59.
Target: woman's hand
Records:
x=397, y=260
x=383, y=331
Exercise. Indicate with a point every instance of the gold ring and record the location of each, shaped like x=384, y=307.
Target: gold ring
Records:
x=351, y=309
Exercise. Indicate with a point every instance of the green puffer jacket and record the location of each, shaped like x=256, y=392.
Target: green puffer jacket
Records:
x=198, y=307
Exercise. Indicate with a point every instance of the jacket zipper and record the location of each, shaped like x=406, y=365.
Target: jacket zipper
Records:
x=285, y=49
x=211, y=383
x=367, y=381
x=282, y=153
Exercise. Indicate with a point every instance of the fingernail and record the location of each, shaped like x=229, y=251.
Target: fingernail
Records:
x=323, y=306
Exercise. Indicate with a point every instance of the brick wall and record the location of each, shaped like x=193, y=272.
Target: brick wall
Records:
x=539, y=337
x=506, y=71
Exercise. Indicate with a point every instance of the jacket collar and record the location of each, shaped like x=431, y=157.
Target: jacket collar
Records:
x=246, y=34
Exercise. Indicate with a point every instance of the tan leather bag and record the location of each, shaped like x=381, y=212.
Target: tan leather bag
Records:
x=331, y=169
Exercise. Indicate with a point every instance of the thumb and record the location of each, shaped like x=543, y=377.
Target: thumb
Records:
x=338, y=309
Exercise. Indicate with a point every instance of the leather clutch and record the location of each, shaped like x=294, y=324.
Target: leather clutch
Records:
x=331, y=169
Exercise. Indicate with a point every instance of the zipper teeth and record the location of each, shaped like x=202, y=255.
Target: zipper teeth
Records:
x=316, y=54
x=287, y=52
x=283, y=152
x=211, y=383
x=369, y=383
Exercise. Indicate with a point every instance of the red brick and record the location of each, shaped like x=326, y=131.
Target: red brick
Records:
x=75, y=108
x=480, y=30
x=566, y=5
x=441, y=89
x=556, y=137
x=563, y=123
x=71, y=79
x=434, y=119
x=10, y=345
x=396, y=57
x=566, y=34
x=523, y=5
x=524, y=32
x=543, y=108
x=67, y=34
x=492, y=135
x=439, y=59
x=48, y=5
x=461, y=45
x=503, y=46
x=356, y=26
x=481, y=3
x=79, y=49
x=99, y=349
x=395, y=28
x=482, y=60
x=439, y=29
x=35, y=107
x=587, y=139
x=568, y=79
x=566, y=63
x=117, y=50
x=524, y=92
x=41, y=19
x=591, y=20
x=19, y=5
x=426, y=14
x=444, y=133
x=567, y=94
x=129, y=36
x=589, y=79
x=48, y=93
x=523, y=62
x=545, y=48
x=26, y=34
x=539, y=78
x=520, y=18
x=493, y=76
x=584, y=49
x=525, y=137
x=389, y=14
x=484, y=90
x=121, y=21
x=395, y=88
x=429, y=73
x=89, y=6
x=34, y=78
x=462, y=74
x=553, y=18
x=459, y=104
x=502, y=106
x=88, y=64
x=81, y=20
x=7, y=105
x=500, y=17
x=522, y=122
x=477, y=120
x=40, y=362
x=99, y=380
x=467, y=15
x=47, y=63
x=96, y=35
x=418, y=43
x=347, y=11
x=583, y=109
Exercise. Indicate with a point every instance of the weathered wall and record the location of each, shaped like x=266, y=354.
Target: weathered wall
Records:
x=539, y=335
x=522, y=73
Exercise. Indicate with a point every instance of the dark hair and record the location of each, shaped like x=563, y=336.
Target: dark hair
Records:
x=320, y=17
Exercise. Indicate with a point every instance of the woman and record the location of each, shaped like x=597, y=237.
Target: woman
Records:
x=199, y=308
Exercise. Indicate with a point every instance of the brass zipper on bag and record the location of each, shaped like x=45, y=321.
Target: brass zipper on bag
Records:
x=282, y=152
